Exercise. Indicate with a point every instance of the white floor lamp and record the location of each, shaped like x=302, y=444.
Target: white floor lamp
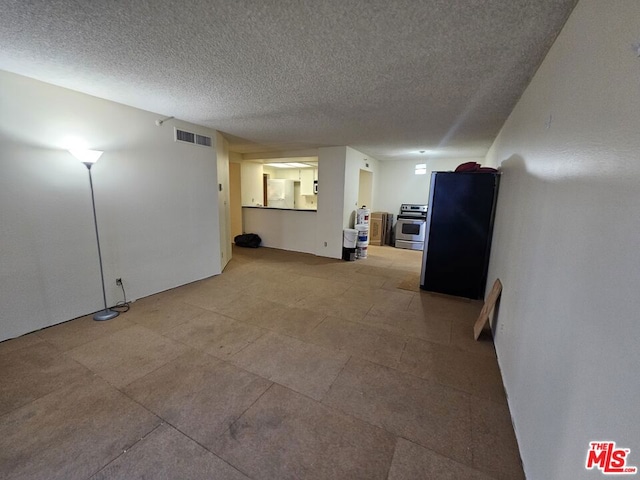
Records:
x=89, y=157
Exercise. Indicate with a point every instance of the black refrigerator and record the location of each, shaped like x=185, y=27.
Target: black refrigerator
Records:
x=458, y=234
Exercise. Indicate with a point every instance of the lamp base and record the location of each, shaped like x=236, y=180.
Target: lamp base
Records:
x=106, y=314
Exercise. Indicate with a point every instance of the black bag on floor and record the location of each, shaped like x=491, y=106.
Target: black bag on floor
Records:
x=250, y=240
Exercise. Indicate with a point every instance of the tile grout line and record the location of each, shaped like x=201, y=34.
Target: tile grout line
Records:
x=55, y=390
x=167, y=422
x=126, y=449
x=247, y=345
x=324, y=395
x=466, y=394
x=396, y=435
x=246, y=409
x=434, y=452
x=211, y=452
x=393, y=457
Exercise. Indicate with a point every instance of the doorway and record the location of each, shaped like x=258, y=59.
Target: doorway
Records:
x=365, y=188
x=235, y=199
x=265, y=178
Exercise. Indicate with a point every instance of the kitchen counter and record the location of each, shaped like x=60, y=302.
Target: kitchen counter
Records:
x=286, y=209
x=283, y=228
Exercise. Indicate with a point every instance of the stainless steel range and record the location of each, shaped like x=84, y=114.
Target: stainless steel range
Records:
x=411, y=226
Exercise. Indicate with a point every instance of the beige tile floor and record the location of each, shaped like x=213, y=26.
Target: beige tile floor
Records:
x=286, y=366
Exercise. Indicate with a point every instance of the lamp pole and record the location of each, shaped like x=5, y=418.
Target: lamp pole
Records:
x=107, y=313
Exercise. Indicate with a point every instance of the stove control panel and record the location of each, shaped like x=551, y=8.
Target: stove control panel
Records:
x=413, y=208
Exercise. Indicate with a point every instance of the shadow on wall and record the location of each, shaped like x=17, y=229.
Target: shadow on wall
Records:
x=565, y=249
x=352, y=220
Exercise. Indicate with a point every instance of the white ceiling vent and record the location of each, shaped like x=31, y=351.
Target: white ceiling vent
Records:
x=190, y=137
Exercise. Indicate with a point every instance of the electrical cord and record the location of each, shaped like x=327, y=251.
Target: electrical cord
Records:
x=122, y=306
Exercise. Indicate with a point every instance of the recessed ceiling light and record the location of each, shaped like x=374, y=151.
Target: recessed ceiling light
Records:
x=287, y=165
x=298, y=165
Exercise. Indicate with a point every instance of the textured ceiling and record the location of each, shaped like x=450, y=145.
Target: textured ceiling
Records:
x=386, y=77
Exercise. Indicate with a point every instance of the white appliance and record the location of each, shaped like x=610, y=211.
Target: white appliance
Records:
x=411, y=226
x=280, y=193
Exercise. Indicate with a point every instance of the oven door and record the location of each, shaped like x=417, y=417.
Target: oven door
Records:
x=410, y=229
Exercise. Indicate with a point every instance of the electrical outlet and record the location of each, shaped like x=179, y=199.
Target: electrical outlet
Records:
x=118, y=281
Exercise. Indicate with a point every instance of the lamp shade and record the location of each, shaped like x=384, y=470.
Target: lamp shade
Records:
x=85, y=155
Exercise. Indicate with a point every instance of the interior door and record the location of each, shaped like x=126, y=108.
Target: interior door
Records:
x=235, y=199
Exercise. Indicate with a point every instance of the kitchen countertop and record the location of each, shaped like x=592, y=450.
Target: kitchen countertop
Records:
x=276, y=208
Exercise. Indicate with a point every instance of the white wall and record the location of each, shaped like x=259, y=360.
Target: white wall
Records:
x=399, y=184
x=566, y=246
x=354, y=162
x=331, y=194
x=235, y=198
x=251, y=179
x=305, y=202
x=156, y=204
x=365, y=189
x=224, y=209
x=307, y=155
x=338, y=186
x=293, y=230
